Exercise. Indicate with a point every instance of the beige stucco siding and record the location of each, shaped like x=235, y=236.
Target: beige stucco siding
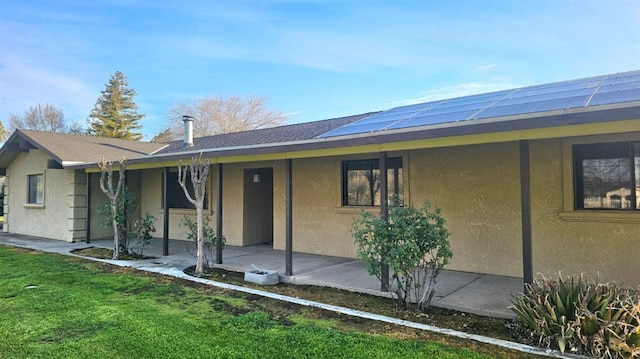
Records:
x=60, y=216
x=318, y=223
x=478, y=189
x=603, y=242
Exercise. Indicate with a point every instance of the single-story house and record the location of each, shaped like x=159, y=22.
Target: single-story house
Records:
x=523, y=178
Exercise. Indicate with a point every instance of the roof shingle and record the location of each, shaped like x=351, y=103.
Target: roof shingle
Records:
x=287, y=133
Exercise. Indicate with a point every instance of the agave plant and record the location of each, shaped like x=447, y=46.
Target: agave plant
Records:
x=601, y=320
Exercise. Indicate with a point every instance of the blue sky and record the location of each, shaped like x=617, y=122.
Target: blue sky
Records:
x=311, y=59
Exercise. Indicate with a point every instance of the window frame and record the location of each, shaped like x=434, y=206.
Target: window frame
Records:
x=568, y=213
x=372, y=164
x=626, y=149
x=28, y=198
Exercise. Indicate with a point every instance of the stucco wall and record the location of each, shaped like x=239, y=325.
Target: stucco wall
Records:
x=53, y=219
x=320, y=225
x=478, y=189
x=590, y=242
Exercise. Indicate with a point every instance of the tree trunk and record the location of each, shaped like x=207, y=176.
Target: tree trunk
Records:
x=116, y=232
x=200, y=251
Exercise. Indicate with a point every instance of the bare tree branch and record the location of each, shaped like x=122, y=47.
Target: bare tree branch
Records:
x=39, y=117
x=216, y=115
x=106, y=185
x=199, y=170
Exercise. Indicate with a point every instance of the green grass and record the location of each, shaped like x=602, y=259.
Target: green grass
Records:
x=83, y=309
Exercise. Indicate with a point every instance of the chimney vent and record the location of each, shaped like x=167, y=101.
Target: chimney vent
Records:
x=188, y=130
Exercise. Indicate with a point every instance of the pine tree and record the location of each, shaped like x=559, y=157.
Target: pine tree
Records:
x=115, y=114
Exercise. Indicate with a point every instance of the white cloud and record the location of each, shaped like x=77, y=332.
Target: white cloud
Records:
x=484, y=68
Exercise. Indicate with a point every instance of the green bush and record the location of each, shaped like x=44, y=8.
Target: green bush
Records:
x=132, y=233
x=413, y=243
x=143, y=228
x=600, y=320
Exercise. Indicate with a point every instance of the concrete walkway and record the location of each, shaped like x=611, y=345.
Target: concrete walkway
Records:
x=476, y=293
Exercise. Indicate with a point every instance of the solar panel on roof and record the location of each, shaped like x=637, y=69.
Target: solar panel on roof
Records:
x=479, y=98
x=424, y=120
x=615, y=97
x=601, y=90
x=544, y=97
x=620, y=87
x=530, y=107
x=622, y=78
x=355, y=129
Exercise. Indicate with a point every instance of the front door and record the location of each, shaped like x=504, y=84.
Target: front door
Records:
x=258, y=206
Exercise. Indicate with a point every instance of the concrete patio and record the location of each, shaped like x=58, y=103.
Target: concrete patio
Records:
x=476, y=293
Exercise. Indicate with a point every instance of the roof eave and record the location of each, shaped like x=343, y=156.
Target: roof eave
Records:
x=567, y=117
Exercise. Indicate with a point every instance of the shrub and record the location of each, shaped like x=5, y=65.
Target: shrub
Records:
x=601, y=320
x=143, y=228
x=413, y=243
x=210, y=239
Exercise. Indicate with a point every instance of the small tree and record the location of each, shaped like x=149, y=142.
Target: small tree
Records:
x=413, y=243
x=106, y=185
x=199, y=170
x=132, y=233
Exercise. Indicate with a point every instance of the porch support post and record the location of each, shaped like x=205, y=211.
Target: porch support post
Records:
x=288, y=219
x=219, y=216
x=525, y=203
x=165, y=213
x=87, y=198
x=384, y=213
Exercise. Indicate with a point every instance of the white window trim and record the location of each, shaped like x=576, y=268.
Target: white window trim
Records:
x=36, y=205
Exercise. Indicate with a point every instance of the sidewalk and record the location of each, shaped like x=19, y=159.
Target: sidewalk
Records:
x=476, y=293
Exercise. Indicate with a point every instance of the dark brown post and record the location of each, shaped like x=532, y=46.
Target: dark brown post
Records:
x=525, y=203
x=219, y=216
x=165, y=213
x=384, y=212
x=87, y=198
x=288, y=219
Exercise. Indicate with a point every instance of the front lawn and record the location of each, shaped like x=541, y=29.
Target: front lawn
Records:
x=61, y=307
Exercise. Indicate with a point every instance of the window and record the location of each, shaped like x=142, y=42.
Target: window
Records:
x=607, y=175
x=361, y=181
x=35, y=188
x=175, y=194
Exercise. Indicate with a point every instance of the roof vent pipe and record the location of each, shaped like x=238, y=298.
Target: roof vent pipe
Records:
x=188, y=130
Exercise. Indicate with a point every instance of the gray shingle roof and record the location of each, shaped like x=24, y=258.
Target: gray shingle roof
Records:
x=287, y=133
